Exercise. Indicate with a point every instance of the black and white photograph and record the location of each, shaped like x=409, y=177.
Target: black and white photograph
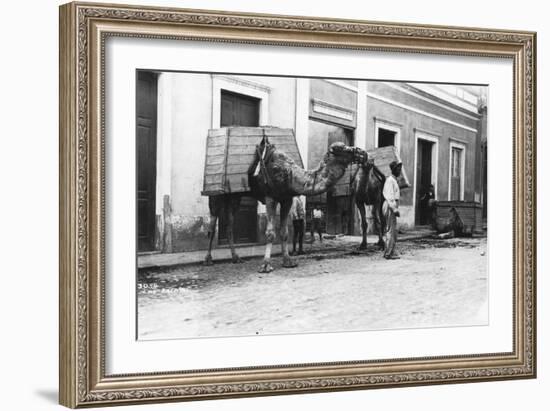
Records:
x=275, y=205
x=284, y=205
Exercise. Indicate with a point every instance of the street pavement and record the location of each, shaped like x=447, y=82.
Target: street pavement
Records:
x=435, y=283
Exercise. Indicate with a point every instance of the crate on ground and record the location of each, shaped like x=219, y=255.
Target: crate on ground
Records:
x=230, y=151
x=470, y=212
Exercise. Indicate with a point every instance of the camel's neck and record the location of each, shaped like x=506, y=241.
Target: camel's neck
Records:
x=320, y=180
x=363, y=176
x=372, y=172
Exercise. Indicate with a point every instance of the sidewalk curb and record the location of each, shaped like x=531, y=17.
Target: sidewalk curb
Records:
x=160, y=267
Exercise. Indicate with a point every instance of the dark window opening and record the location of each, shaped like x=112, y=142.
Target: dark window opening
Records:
x=239, y=110
x=386, y=137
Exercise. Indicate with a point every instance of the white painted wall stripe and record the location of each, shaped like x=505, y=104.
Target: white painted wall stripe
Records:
x=424, y=113
x=332, y=110
x=361, y=124
x=397, y=86
x=342, y=84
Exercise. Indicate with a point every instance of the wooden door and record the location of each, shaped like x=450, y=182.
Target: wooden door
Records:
x=456, y=173
x=423, y=176
x=146, y=158
x=240, y=110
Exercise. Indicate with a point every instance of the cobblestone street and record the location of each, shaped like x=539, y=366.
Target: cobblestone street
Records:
x=435, y=283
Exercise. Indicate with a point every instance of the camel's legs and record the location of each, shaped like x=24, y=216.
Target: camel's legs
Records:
x=364, y=224
x=271, y=208
x=211, y=234
x=230, y=211
x=285, y=209
x=378, y=223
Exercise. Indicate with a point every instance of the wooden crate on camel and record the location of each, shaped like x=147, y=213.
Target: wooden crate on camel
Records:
x=230, y=151
x=382, y=156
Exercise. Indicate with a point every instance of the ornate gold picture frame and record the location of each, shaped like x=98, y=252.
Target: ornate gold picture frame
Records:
x=84, y=30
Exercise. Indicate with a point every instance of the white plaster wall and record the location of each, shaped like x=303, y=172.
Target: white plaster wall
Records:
x=282, y=98
x=164, y=138
x=282, y=101
x=185, y=116
x=191, y=119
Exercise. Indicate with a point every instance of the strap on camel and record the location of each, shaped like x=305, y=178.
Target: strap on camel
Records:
x=261, y=156
x=356, y=171
x=354, y=175
x=377, y=173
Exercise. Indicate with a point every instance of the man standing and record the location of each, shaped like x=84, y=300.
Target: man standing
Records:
x=298, y=216
x=316, y=224
x=427, y=205
x=390, y=208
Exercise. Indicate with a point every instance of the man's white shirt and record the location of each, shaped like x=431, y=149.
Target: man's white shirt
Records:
x=391, y=191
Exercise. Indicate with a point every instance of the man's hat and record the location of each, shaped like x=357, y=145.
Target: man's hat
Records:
x=395, y=164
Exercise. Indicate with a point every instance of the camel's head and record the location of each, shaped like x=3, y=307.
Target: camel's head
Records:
x=368, y=163
x=347, y=154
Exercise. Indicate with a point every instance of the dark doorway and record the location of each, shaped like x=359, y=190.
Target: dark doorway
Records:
x=423, y=177
x=146, y=158
x=386, y=137
x=240, y=110
x=340, y=209
x=337, y=206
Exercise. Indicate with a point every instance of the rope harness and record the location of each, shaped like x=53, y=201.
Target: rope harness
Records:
x=261, y=167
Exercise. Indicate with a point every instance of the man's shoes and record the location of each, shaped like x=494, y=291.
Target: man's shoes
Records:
x=392, y=257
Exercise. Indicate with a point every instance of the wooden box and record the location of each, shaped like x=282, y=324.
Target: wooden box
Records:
x=470, y=212
x=382, y=156
x=230, y=151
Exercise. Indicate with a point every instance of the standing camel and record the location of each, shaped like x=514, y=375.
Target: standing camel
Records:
x=367, y=187
x=275, y=178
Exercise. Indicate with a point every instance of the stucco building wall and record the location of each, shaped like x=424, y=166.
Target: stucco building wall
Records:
x=189, y=105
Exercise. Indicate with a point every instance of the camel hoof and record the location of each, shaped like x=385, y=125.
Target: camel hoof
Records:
x=208, y=260
x=289, y=263
x=265, y=268
x=362, y=246
x=381, y=244
x=236, y=259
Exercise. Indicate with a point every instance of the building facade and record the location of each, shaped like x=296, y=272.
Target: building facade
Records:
x=439, y=132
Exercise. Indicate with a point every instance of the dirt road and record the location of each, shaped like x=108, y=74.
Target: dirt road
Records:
x=435, y=283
